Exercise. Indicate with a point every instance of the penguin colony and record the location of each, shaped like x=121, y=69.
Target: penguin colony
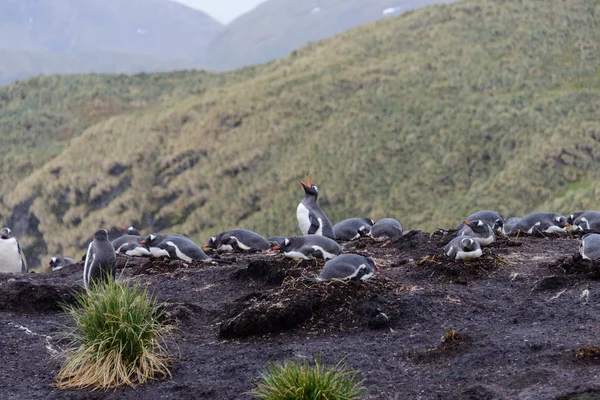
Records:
x=319, y=240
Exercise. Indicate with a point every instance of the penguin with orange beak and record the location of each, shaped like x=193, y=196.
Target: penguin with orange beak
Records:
x=311, y=219
x=479, y=230
x=542, y=222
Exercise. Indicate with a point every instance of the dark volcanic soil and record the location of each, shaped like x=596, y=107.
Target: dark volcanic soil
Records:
x=517, y=313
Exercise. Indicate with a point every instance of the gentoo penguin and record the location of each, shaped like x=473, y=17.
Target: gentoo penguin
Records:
x=588, y=221
x=130, y=245
x=12, y=258
x=58, y=262
x=131, y=231
x=311, y=219
x=240, y=239
x=307, y=247
x=494, y=219
x=510, y=226
x=589, y=247
x=542, y=222
x=100, y=259
x=353, y=228
x=176, y=247
x=463, y=248
x=385, y=229
x=478, y=230
x=571, y=218
x=348, y=266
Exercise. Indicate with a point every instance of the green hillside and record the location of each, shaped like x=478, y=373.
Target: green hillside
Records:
x=277, y=27
x=424, y=117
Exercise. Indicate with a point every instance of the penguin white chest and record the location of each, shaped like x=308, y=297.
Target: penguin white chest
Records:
x=303, y=216
x=10, y=261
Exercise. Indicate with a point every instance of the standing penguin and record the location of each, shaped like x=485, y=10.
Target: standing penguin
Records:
x=463, y=248
x=385, y=229
x=58, y=262
x=478, y=230
x=353, y=228
x=542, y=222
x=307, y=247
x=311, y=219
x=348, y=266
x=100, y=260
x=12, y=259
x=589, y=247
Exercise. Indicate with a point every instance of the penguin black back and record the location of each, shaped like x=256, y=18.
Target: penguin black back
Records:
x=100, y=260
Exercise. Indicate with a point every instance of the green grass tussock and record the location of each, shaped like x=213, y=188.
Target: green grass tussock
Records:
x=301, y=381
x=116, y=338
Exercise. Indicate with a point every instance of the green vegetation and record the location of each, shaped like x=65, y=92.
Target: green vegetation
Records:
x=425, y=117
x=117, y=338
x=300, y=381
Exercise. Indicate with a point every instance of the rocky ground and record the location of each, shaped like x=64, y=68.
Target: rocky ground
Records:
x=511, y=325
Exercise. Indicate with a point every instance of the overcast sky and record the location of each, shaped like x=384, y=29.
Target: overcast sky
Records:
x=222, y=10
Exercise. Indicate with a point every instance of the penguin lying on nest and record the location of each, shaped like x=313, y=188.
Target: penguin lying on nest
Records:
x=589, y=247
x=308, y=247
x=347, y=266
x=238, y=239
x=353, y=228
x=463, y=248
x=478, y=230
x=58, y=262
x=386, y=229
x=588, y=221
x=175, y=247
x=492, y=218
x=542, y=222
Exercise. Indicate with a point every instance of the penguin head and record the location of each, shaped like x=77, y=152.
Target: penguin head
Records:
x=212, y=243
x=131, y=230
x=101, y=234
x=560, y=220
x=283, y=246
x=468, y=244
x=309, y=188
x=477, y=226
x=371, y=263
x=149, y=240
x=53, y=261
x=364, y=230
x=498, y=225
x=5, y=233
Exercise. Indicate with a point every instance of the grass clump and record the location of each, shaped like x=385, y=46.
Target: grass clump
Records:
x=117, y=338
x=300, y=381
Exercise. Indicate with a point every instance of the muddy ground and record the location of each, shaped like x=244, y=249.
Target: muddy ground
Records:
x=517, y=312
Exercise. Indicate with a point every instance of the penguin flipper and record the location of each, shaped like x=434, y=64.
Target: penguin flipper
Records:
x=315, y=224
x=87, y=265
x=24, y=267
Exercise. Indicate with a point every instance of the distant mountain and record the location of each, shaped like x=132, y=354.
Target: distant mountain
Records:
x=133, y=35
x=277, y=27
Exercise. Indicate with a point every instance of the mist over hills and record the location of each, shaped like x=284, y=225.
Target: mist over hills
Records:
x=424, y=117
x=73, y=36
x=276, y=27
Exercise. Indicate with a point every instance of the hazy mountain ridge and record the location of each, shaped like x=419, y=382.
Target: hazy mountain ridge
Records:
x=100, y=35
x=277, y=27
x=425, y=117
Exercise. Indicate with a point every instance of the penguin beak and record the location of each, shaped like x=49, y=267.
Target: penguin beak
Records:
x=377, y=268
x=121, y=228
x=309, y=184
x=144, y=242
x=206, y=246
x=468, y=223
x=565, y=224
x=274, y=248
x=49, y=266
